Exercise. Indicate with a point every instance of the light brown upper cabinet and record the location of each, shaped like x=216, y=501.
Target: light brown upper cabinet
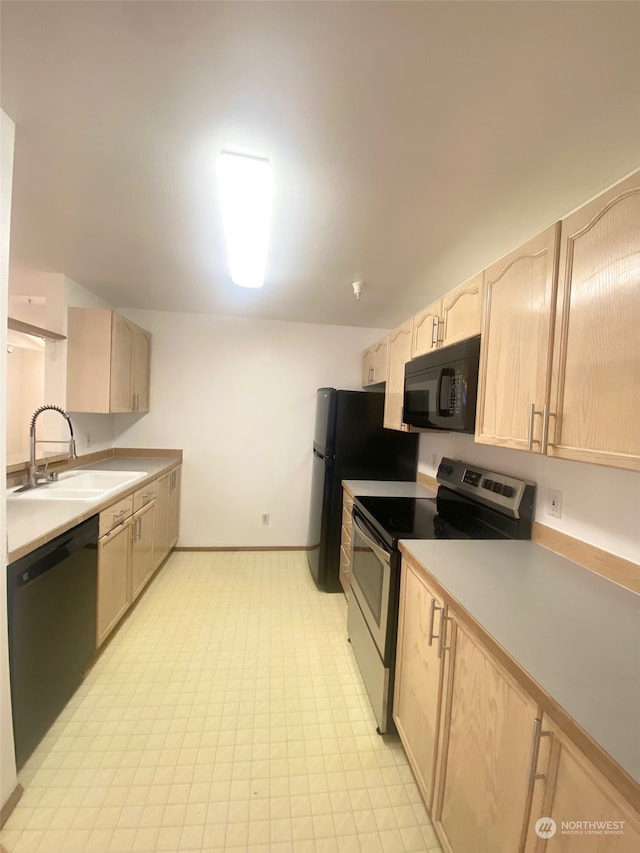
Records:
x=108, y=362
x=517, y=335
x=399, y=353
x=560, y=355
x=374, y=363
x=453, y=318
x=595, y=388
x=425, y=329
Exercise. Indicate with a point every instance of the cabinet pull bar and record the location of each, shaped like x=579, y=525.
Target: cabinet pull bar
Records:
x=432, y=613
x=121, y=513
x=538, y=733
x=434, y=333
x=545, y=429
x=532, y=411
x=443, y=632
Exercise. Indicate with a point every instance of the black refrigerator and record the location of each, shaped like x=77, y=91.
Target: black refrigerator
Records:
x=349, y=442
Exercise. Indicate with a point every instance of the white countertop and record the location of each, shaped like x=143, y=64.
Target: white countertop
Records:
x=29, y=521
x=388, y=488
x=575, y=633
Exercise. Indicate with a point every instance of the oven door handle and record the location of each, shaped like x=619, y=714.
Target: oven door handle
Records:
x=381, y=553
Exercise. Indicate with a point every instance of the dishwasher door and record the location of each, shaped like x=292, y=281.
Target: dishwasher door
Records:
x=51, y=603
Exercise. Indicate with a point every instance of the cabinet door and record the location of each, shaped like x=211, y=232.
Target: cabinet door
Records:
x=461, y=312
x=595, y=396
x=380, y=361
x=345, y=544
x=419, y=675
x=140, y=367
x=425, y=329
x=122, y=344
x=142, y=548
x=517, y=335
x=173, y=521
x=483, y=798
x=113, y=579
x=571, y=790
x=399, y=350
x=160, y=528
x=368, y=367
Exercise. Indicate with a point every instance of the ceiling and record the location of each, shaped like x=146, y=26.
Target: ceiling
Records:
x=412, y=143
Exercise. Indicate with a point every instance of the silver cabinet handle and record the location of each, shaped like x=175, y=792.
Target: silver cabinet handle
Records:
x=122, y=512
x=544, y=443
x=535, y=749
x=432, y=613
x=147, y=496
x=442, y=634
x=545, y=429
x=434, y=333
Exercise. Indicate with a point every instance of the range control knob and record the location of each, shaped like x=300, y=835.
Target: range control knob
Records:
x=507, y=491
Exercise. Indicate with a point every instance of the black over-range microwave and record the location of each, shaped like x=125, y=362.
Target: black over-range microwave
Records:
x=440, y=388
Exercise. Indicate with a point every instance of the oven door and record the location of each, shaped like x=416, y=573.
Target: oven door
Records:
x=371, y=581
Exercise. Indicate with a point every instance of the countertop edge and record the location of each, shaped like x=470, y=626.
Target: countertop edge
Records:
x=621, y=780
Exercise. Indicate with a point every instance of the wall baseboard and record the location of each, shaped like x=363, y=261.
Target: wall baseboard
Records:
x=242, y=548
x=10, y=805
x=610, y=566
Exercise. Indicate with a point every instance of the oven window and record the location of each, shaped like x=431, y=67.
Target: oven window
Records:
x=368, y=572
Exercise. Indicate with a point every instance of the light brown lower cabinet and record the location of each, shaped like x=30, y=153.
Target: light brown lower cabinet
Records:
x=173, y=518
x=345, y=543
x=142, y=567
x=114, y=585
x=588, y=814
x=420, y=669
x=137, y=533
x=487, y=761
x=483, y=797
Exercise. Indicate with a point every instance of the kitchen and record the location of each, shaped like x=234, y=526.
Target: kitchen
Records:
x=226, y=489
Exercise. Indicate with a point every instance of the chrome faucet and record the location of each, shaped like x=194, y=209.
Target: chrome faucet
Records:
x=36, y=475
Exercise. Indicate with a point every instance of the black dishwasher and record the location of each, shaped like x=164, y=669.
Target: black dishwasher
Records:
x=51, y=603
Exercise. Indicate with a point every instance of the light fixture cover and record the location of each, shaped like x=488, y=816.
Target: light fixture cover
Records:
x=246, y=191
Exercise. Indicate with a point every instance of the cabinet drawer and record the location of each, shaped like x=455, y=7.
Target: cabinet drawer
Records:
x=115, y=514
x=145, y=495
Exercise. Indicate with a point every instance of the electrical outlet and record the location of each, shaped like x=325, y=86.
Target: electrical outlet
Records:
x=88, y=441
x=264, y=518
x=554, y=503
x=434, y=460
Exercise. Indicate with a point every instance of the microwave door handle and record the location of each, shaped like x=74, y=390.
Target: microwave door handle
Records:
x=443, y=411
x=383, y=555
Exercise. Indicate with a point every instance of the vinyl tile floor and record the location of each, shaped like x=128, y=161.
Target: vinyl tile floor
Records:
x=226, y=714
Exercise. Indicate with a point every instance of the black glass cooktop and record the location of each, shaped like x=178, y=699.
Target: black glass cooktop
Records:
x=447, y=517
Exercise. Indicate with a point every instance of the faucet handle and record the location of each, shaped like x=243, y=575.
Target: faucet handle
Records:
x=52, y=476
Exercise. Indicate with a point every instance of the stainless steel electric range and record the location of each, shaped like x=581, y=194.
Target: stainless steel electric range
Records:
x=471, y=503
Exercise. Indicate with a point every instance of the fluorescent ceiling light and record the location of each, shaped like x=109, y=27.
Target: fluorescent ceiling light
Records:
x=246, y=190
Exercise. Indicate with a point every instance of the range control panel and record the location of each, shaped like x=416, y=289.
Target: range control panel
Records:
x=489, y=487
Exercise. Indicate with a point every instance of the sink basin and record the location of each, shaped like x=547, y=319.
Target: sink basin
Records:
x=80, y=485
x=100, y=480
x=44, y=493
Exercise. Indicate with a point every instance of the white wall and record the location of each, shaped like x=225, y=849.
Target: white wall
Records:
x=8, y=777
x=599, y=504
x=238, y=396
